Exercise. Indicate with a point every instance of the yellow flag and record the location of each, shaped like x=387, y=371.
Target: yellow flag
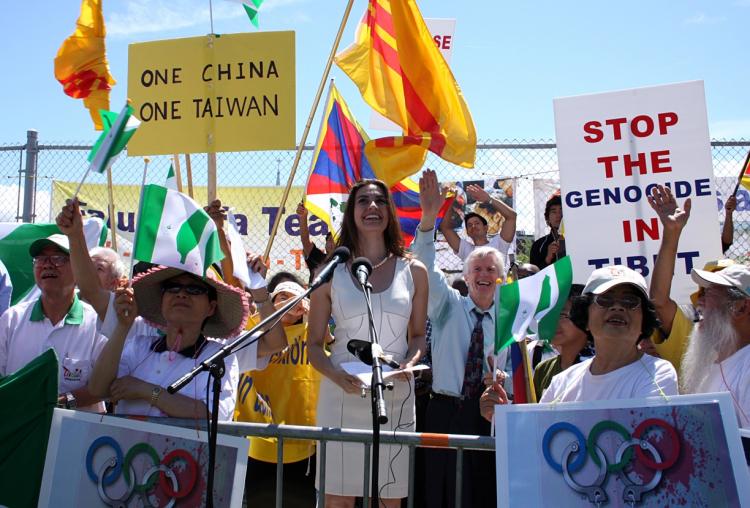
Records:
x=81, y=63
x=402, y=75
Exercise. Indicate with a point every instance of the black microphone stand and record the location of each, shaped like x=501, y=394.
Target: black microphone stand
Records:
x=215, y=367
x=377, y=387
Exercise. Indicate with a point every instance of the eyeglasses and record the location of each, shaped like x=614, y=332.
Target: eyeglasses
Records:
x=629, y=302
x=191, y=289
x=57, y=261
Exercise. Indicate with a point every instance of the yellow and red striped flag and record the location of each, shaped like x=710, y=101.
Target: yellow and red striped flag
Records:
x=81, y=63
x=402, y=75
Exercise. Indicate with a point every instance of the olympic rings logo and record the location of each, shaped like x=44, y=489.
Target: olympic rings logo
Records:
x=577, y=452
x=122, y=465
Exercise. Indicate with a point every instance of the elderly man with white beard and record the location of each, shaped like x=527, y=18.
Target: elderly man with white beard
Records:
x=718, y=354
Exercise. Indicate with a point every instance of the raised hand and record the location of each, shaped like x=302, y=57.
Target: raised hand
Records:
x=256, y=264
x=478, y=193
x=665, y=205
x=216, y=212
x=430, y=196
x=731, y=204
x=125, y=305
x=69, y=219
x=302, y=211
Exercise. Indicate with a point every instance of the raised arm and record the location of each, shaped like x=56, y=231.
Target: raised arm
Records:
x=508, y=230
x=219, y=216
x=84, y=271
x=275, y=340
x=108, y=363
x=673, y=220
x=304, y=232
x=727, y=231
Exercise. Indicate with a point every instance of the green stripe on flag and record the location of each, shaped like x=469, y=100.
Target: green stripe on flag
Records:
x=506, y=302
x=152, y=208
x=190, y=233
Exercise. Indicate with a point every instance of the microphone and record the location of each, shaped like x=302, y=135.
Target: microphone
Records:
x=362, y=268
x=340, y=255
x=362, y=349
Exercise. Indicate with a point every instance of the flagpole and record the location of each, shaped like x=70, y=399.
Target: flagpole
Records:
x=742, y=173
x=177, y=172
x=189, y=169
x=301, y=145
x=112, y=218
x=146, y=160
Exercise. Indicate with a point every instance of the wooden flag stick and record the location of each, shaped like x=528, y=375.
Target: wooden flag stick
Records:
x=742, y=173
x=212, y=176
x=177, y=172
x=189, y=169
x=146, y=160
x=112, y=217
x=301, y=145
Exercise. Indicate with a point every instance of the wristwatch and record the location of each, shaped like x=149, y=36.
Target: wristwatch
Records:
x=70, y=401
x=155, y=394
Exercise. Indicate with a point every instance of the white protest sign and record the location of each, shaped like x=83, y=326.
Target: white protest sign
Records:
x=442, y=31
x=612, y=149
x=685, y=451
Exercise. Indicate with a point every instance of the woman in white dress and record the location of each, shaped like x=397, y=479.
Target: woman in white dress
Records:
x=369, y=229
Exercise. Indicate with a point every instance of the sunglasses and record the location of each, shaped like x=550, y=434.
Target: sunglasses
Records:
x=629, y=302
x=57, y=261
x=191, y=289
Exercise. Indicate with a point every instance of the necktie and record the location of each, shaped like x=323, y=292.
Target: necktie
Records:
x=472, y=386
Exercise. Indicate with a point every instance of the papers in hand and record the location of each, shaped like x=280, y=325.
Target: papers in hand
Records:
x=364, y=371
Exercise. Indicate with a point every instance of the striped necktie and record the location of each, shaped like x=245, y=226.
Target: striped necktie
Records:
x=472, y=386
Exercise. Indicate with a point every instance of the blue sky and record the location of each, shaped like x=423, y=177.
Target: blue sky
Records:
x=510, y=58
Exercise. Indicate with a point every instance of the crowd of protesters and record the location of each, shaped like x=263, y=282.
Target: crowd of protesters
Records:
x=121, y=342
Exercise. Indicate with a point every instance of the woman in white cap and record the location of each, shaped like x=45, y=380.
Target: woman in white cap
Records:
x=181, y=319
x=370, y=229
x=615, y=311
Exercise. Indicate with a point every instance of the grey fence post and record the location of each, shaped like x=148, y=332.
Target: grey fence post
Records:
x=29, y=186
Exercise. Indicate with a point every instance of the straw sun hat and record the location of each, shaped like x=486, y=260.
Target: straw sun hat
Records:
x=231, y=303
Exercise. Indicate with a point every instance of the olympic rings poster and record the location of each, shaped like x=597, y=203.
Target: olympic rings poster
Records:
x=640, y=452
x=96, y=461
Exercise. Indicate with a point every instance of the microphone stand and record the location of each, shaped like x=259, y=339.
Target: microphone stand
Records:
x=215, y=367
x=377, y=387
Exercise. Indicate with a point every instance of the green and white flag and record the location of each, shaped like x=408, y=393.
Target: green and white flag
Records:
x=17, y=237
x=532, y=304
x=173, y=230
x=171, y=182
x=118, y=129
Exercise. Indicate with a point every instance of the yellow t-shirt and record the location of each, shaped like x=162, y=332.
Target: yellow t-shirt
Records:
x=673, y=347
x=285, y=392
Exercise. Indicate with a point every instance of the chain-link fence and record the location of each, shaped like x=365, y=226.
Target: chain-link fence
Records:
x=522, y=172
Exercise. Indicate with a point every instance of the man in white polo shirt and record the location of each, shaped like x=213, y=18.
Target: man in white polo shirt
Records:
x=57, y=320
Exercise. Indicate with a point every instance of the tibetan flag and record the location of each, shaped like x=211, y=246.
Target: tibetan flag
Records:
x=81, y=62
x=745, y=178
x=532, y=304
x=17, y=237
x=338, y=162
x=173, y=230
x=523, y=391
x=402, y=75
x=405, y=196
x=118, y=129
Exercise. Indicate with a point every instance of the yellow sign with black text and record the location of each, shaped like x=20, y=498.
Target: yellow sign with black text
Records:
x=214, y=93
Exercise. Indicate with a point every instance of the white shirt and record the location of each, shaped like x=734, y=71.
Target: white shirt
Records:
x=736, y=372
x=139, y=360
x=26, y=333
x=642, y=378
x=465, y=247
x=452, y=324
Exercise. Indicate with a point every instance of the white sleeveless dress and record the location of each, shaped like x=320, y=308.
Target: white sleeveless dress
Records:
x=391, y=308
